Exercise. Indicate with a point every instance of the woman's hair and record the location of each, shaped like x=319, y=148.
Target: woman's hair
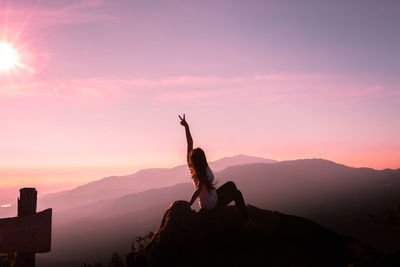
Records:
x=198, y=165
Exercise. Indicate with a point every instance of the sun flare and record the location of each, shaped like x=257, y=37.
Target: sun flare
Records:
x=9, y=57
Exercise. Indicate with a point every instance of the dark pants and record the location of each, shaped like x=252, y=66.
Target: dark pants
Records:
x=228, y=193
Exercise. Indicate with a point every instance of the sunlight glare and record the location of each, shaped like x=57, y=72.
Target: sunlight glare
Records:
x=9, y=57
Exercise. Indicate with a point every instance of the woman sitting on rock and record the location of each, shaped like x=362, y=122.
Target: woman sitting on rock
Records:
x=202, y=176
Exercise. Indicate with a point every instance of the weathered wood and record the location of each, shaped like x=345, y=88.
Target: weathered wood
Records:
x=26, y=259
x=26, y=206
x=28, y=233
x=27, y=201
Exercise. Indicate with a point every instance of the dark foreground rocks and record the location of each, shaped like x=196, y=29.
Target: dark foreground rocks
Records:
x=268, y=238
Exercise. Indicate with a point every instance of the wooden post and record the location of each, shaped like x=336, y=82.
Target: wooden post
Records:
x=26, y=206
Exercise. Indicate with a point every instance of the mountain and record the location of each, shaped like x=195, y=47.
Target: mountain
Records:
x=117, y=186
x=240, y=159
x=267, y=238
x=351, y=201
x=296, y=187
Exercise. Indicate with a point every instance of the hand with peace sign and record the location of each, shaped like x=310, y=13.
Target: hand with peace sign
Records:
x=187, y=131
x=183, y=121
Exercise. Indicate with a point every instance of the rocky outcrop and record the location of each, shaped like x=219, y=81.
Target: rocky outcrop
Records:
x=267, y=238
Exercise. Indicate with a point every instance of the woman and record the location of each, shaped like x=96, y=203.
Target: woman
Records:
x=203, y=179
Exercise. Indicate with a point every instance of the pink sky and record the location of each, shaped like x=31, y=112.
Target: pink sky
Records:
x=104, y=82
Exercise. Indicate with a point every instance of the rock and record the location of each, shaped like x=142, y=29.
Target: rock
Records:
x=268, y=238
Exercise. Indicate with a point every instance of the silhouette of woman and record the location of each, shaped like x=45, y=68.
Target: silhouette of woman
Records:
x=203, y=177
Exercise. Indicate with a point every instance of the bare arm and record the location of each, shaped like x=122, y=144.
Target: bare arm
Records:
x=189, y=138
x=195, y=195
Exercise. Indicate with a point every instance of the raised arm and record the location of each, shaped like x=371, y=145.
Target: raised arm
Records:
x=188, y=135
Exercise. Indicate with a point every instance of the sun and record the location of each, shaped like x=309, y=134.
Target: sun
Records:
x=9, y=57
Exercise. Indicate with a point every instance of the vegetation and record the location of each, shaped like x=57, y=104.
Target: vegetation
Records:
x=116, y=260
x=141, y=241
x=92, y=265
x=7, y=259
x=393, y=217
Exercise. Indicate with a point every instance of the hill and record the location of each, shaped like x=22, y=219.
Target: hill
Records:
x=118, y=186
x=267, y=238
x=351, y=201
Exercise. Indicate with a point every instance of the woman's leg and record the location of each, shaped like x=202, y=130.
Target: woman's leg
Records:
x=228, y=193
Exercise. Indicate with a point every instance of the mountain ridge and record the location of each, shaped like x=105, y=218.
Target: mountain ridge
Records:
x=116, y=186
x=101, y=205
x=339, y=197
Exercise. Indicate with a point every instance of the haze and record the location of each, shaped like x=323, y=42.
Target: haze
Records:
x=105, y=81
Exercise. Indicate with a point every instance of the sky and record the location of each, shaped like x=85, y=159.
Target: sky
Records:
x=100, y=84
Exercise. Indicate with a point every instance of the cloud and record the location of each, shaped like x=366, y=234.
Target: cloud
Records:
x=252, y=89
x=292, y=76
x=165, y=89
x=363, y=91
x=85, y=4
x=190, y=95
x=92, y=88
x=34, y=16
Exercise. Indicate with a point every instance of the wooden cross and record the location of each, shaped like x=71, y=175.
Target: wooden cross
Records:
x=29, y=233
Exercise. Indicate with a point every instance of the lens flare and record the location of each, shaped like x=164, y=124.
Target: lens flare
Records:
x=9, y=57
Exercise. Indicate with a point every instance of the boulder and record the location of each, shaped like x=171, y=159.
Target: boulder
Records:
x=266, y=238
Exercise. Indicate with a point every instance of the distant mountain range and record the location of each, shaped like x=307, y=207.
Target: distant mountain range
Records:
x=352, y=201
x=117, y=186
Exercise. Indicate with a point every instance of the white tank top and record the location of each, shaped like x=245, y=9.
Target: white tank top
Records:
x=207, y=199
